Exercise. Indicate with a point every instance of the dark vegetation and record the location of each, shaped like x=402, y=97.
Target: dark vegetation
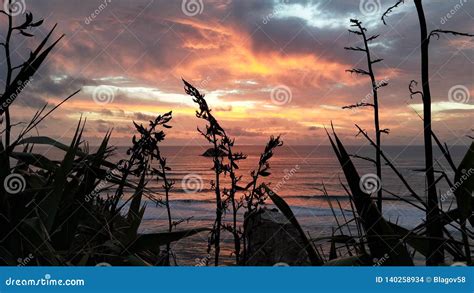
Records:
x=376, y=85
x=86, y=209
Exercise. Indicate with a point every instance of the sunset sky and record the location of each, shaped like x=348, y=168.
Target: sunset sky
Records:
x=134, y=53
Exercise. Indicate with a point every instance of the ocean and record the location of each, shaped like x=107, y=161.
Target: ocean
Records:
x=298, y=175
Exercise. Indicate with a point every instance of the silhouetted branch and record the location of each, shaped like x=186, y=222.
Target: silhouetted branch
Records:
x=372, y=38
x=358, y=71
x=413, y=92
x=361, y=131
x=355, y=32
x=437, y=33
x=390, y=9
x=214, y=132
x=445, y=150
x=433, y=228
x=380, y=84
x=390, y=164
x=355, y=49
x=364, y=158
x=377, y=60
x=375, y=86
x=358, y=105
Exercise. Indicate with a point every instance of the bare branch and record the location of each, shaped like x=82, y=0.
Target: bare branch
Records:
x=358, y=71
x=355, y=49
x=372, y=38
x=357, y=23
x=390, y=9
x=413, y=92
x=361, y=131
x=364, y=158
x=358, y=105
x=436, y=33
x=19, y=66
x=381, y=84
x=390, y=164
x=355, y=32
x=370, y=73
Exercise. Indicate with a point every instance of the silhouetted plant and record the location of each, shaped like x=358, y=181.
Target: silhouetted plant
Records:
x=256, y=196
x=61, y=211
x=231, y=194
x=16, y=83
x=214, y=133
x=374, y=224
x=223, y=149
x=68, y=216
x=376, y=85
x=147, y=150
x=434, y=226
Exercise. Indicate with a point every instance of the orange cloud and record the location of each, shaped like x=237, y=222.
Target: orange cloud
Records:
x=219, y=48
